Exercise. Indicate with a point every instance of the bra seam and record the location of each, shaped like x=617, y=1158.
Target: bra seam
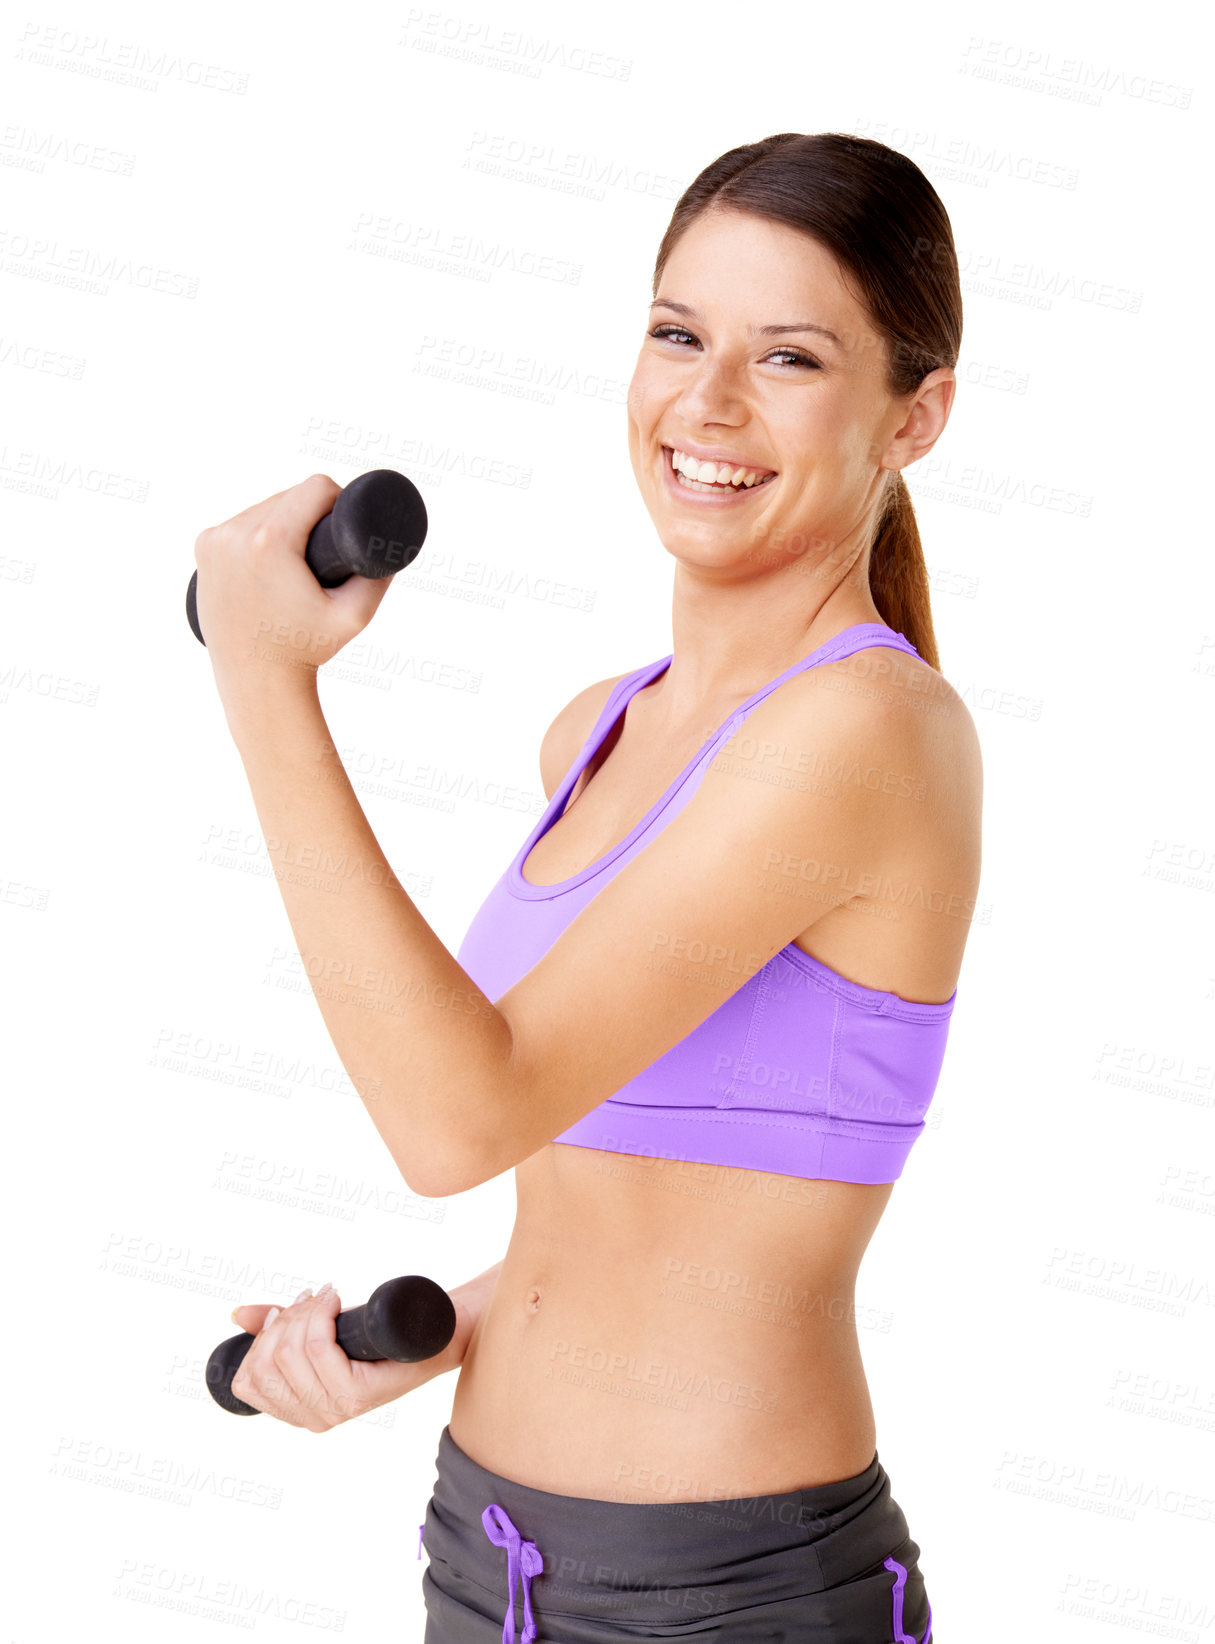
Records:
x=832, y=1056
x=854, y=1129
x=905, y=1010
x=759, y=1009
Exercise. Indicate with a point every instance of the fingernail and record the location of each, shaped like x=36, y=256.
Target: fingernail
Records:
x=325, y=1290
x=271, y=1316
x=235, y=1320
x=304, y=1293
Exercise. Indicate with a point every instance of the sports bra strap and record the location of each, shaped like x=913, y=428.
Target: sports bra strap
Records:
x=856, y=638
x=859, y=637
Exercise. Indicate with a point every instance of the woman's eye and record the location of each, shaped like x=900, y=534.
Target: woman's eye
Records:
x=668, y=333
x=797, y=357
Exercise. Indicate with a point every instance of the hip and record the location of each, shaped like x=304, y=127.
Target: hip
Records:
x=832, y=1562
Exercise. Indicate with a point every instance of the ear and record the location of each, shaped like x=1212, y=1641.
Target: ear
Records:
x=927, y=412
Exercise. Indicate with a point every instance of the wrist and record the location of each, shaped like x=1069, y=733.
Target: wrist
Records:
x=259, y=699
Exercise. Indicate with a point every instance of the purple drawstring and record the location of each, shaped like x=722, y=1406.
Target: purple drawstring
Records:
x=522, y=1556
x=421, y=1527
x=896, y=1603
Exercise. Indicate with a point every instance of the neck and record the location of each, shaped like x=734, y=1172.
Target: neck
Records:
x=729, y=638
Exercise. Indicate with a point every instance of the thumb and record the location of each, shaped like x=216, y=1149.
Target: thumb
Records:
x=358, y=599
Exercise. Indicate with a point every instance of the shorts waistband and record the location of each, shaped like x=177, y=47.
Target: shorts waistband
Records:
x=594, y=1553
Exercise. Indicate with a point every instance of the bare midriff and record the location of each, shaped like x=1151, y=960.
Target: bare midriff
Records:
x=666, y=1331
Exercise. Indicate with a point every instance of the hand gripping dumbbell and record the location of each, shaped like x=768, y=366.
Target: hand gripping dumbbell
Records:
x=376, y=528
x=406, y=1319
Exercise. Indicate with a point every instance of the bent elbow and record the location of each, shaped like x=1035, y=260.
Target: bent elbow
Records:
x=438, y=1177
x=459, y=1150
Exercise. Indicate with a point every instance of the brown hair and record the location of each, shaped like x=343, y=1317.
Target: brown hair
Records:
x=883, y=221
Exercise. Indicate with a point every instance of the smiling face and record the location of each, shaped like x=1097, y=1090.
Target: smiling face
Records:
x=810, y=410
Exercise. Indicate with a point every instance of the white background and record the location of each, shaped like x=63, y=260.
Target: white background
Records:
x=284, y=216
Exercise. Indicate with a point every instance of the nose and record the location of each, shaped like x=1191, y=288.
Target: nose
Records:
x=710, y=395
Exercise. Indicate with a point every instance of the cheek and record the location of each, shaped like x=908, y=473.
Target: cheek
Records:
x=839, y=443
x=637, y=400
x=645, y=394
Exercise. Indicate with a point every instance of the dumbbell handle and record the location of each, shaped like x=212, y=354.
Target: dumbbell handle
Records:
x=406, y=1319
x=375, y=529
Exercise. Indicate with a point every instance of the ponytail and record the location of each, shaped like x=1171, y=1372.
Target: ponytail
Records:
x=898, y=576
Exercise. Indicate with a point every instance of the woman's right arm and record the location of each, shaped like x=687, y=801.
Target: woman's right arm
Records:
x=296, y=1371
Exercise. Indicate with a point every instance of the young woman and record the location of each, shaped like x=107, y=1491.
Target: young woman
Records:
x=704, y=1010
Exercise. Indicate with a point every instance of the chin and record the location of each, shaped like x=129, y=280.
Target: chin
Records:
x=703, y=551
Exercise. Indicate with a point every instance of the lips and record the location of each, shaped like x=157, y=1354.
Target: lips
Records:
x=722, y=460
x=707, y=493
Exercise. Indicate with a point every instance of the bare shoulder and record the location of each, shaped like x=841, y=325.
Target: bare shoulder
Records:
x=882, y=725
x=563, y=740
x=897, y=701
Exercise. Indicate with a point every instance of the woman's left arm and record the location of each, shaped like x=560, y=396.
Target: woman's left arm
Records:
x=393, y=997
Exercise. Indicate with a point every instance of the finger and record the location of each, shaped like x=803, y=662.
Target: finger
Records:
x=296, y=511
x=251, y=516
x=332, y=1367
x=259, y=513
x=251, y=1315
x=305, y=1397
x=243, y=1384
x=321, y=1363
x=257, y=1380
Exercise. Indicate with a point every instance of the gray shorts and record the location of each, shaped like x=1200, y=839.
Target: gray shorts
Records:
x=832, y=1563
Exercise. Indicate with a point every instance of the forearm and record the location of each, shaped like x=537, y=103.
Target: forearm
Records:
x=427, y=1051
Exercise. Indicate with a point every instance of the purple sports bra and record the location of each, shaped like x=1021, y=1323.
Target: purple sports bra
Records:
x=799, y=1071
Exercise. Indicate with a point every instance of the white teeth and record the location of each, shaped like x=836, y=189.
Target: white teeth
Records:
x=715, y=473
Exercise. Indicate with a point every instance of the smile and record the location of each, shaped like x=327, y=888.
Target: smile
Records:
x=721, y=483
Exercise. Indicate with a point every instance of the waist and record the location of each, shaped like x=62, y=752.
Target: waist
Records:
x=657, y=1425
x=810, y=1508
x=643, y=1345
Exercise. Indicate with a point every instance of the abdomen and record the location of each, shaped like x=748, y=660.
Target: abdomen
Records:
x=666, y=1331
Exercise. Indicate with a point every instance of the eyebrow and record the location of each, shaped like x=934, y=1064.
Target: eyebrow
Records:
x=754, y=330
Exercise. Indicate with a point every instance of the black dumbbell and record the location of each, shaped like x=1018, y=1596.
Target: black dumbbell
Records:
x=375, y=529
x=406, y=1319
